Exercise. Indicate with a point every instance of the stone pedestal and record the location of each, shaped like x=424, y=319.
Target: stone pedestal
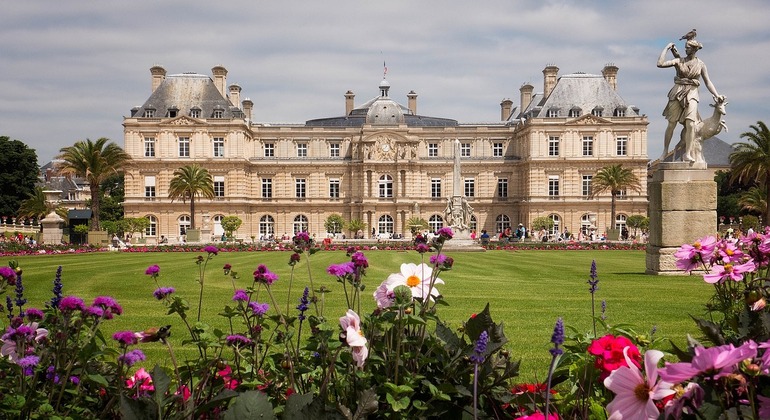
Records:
x=683, y=203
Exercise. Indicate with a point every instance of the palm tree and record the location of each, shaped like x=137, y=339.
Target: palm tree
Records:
x=614, y=179
x=94, y=161
x=36, y=206
x=750, y=161
x=754, y=200
x=190, y=181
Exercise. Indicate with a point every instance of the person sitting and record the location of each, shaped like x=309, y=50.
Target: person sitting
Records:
x=484, y=237
x=163, y=239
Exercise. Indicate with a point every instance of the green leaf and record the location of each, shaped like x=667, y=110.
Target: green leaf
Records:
x=297, y=405
x=99, y=379
x=367, y=403
x=137, y=409
x=250, y=405
x=162, y=382
x=397, y=405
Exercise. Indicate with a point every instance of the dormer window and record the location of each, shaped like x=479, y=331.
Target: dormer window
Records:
x=218, y=113
x=172, y=112
x=575, y=112
x=552, y=113
x=597, y=112
x=149, y=113
x=620, y=112
x=195, y=112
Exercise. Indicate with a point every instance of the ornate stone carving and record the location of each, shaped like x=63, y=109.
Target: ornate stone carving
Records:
x=384, y=148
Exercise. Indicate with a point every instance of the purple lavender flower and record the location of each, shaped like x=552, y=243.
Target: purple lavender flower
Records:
x=240, y=296
x=303, y=304
x=20, y=300
x=359, y=260
x=125, y=338
x=9, y=306
x=153, y=270
x=57, y=289
x=129, y=359
x=259, y=309
x=341, y=270
x=163, y=292
x=211, y=249
x=604, y=310
x=481, y=347
x=594, y=282
x=557, y=338
x=263, y=275
x=34, y=314
x=238, y=340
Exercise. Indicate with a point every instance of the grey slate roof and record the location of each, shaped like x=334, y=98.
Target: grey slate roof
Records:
x=716, y=153
x=185, y=91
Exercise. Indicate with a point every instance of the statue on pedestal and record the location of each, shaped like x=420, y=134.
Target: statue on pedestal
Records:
x=683, y=100
x=458, y=210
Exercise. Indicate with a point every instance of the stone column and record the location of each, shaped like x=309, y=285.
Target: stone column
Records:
x=683, y=203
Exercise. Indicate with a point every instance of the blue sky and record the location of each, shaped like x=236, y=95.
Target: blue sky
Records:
x=72, y=70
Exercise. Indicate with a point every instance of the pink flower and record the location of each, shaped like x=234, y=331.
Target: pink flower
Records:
x=225, y=374
x=689, y=256
x=692, y=396
x=383, y=296
x=729, y=252
x=609, y=352
x=539, y=416
x=634, y=393
x=142, y=379
x=714, y=362
x=729, y=271
x=351, y=323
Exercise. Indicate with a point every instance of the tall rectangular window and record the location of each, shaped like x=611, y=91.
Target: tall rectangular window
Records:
x=267, y=188
x=553, y=146
x=334, y=150
x=149, y=147
x=588, y=146
x=622, y=146
x=184, y=147
x=269, y=149
x=432, y=149
x=435, y=187
x=553, y=186
x=219, y=186
x=497, y=150
x=470, y=187
x=586, y=185
x=300, y=188
x=149, y=188
x=502, y=187
x=465, y=150
x=219, y=147
x=301, y=150
x=334, y=188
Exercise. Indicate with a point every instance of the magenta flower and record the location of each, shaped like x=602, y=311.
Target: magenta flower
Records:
x=152, y=270
x=689, y=256
x=263, y=275
x=259, y=309
x=211, y=249
x=132, y=357
x=341, y=270
x=729, y=271
x=359, y=260
x=422, y=248
x=34, y=314
x=636, y=394
x=713, y=362
x=94, y=311
x=71, y=303
x=729, y=252
x=445, y=233
x=125, y=338
x=240, y=295
x=237, y=340
x=109, y=304
x=163, y=292
x=8, y=274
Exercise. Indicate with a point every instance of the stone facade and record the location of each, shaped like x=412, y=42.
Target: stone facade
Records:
x=381, y=163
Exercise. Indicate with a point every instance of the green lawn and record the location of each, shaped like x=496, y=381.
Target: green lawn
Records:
x=526, y=290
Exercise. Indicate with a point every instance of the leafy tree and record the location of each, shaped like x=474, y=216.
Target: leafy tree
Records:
x=94, y=161
x=750, y=161
x=416, y=223
x=37, y=207
x=614, y=179
x=191, y=181
x=230, y=224
x=113, y=194
x=355, y=225
x=637, y=222
x=136, y=224
x=754, y=200
x=750, y=221
x=334, y=223
x=18, y=176
x=543, y=222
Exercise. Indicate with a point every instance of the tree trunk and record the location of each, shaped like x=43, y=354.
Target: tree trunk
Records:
x=96, y=205
x=612, y=211
x=192, y=211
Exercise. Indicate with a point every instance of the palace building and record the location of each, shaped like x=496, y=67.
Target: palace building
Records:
x=382, y=162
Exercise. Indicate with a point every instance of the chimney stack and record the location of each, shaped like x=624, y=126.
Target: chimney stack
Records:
x=158, y=76
x=412, y=102
x=220, y=79
x=349, y=97
x=550, y=74
x=235, y=95
x=610, y=73
x=248, y=105
x=526, y=96
x=505, y=109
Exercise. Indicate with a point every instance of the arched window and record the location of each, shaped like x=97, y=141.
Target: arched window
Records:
x=502, y=222
x=386, y=186
x=474, y=223
x=300, y=224
x=218, y=230
x=385, y=224
x=556, y=224
x=266, y=226
x=436, y=222
x=586, y=224
x=620, y=221
x=184, y=224
x=152, y=228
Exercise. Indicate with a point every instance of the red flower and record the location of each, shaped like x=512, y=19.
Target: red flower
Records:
x=609, y=353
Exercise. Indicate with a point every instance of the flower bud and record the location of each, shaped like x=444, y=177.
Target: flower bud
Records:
x=403, y=295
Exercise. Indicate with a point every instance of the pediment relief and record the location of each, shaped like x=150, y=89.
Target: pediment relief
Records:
x=387, y=147
x=589, y=119
x=181, y=121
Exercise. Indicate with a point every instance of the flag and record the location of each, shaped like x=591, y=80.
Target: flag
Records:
x=385, y=69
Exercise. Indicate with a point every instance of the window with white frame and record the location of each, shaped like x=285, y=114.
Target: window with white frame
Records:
x=621, y=148
x=184, y=224
x=184, y=147
x=149, y=188
x=385, y=224
x=219, y=146
x=149, y=147
x=432, y=149
x=553, y=146
x=620, y=112
x=334, y=188
x=555, y=229
x=334, y=150
x=300, y=224
x=218, y=229
x=385, y=186
x=597, y=112
x=219, y=186
x=436, y=222
x=195, y=112
x=553, y=186
x=300, y=188
x=497, y=150
x=552, y=113
x=586, y=224
x=502, y=187
x=435, y=187
x=622, y=194
x=472, y=225
x=219, y=113
x=588, y=146
x=502, y=222
x=465, y=150
x=301, y=150
x=152, y=227
x=266, y=226
x=585, y=185
x=149, y=113
x=574, y=112
x=620, y=221
x=269, y=149
x=470, y=187
x=267, y=188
